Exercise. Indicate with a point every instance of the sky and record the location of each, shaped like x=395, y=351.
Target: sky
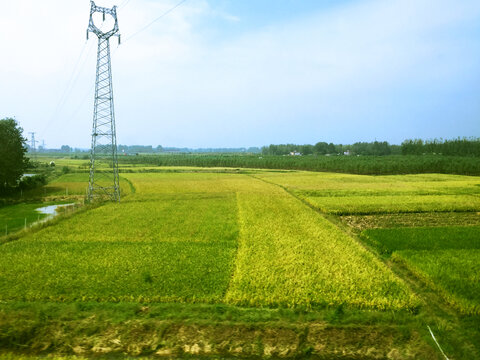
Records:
x=241, y=73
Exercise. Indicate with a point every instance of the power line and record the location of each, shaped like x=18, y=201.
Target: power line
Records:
x=67, y=88
x=77, y=71
x=155, y=20
x=123, y=4
x=82, y=102
x=70, y=85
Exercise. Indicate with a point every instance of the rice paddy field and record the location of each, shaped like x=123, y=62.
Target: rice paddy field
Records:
x=248, y=263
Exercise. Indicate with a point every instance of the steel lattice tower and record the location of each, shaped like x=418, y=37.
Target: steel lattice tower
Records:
x=33, y=146
x=103, y=183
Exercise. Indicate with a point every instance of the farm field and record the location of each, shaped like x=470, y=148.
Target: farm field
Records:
x=175, y=240
x=14, y=217
x=249, y=254
x=446, y=258
x=365, y=165
x=343, y=194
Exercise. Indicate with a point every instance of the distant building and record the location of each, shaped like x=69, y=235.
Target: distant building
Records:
x=347, y=152
x=295, y=153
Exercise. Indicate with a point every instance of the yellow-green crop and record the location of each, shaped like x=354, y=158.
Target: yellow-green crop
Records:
x=199, y=237
x=290, y=255
x=362, y=194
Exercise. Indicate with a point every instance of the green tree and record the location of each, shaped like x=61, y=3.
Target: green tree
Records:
x=321, y=148
x=65, y=149
x=13, y=161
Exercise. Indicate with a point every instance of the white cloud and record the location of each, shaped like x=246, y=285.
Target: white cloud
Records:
x=175, y=84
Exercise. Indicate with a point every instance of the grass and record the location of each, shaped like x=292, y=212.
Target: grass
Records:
x=369, y=165
x=395, y=204
x=124, y=330
x=363, y=222
x=343, y=194
x=290, y=256
x=175, y=239
x=176, y=249
x=455, y=273
x=446, y=258
x=197, y=262
x=435, y=238
x=76, y=184
x=12, y=217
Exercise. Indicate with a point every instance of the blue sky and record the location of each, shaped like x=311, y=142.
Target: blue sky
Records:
x=225, y=73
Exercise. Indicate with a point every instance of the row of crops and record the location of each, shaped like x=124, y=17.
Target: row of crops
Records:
x=414, y=221
x=366, y=165
x=193, y=240
x=240, y=239
x=199, y=238
x=288, y=256
x=446, y=258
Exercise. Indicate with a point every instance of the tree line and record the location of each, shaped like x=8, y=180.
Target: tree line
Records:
x=364, y=165
x=323, y=148
x=455, y=147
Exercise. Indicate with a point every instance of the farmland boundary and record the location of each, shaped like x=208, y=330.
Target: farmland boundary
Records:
x=450, y=327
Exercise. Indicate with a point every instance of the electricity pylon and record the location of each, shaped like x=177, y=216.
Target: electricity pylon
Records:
x=103, y=183
x=33, y=146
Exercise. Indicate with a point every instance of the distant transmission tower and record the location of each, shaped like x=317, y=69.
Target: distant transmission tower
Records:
x=103, y=183
x=33, y=146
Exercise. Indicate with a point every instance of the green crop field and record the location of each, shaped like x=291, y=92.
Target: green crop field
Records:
x=175, y=239
x=343, y=194
x=289, y=255
x=175, y=248
x=211, y=254
x=454, y=273
x=435, y=238
x=15, y=217
x=446, y=258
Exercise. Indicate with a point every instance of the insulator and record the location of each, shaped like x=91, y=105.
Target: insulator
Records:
x=104, y=16
x=87, y=34
x=119, y=40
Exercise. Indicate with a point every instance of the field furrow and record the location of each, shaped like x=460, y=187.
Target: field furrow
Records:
x=289, y=255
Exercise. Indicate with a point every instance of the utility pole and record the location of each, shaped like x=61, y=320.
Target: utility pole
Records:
x=33, y=147
x=104, y=181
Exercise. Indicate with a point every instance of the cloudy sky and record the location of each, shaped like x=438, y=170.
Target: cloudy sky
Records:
x=232, y=73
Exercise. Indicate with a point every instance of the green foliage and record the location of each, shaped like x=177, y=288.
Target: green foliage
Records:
x=187, y=239
x=364, y=165
x=454, y=273
x=173, y=248
x=290, y=256
x=375, y=148
x=372, y=204
x=12, y=217
x=132, y=331
x=175, y=239
x=321, y=148
x=343, y=194
x=435, y=238
x=32, y=182
x=455, y=147
x=13, y=149
x=363, y=222
x=446, y=258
